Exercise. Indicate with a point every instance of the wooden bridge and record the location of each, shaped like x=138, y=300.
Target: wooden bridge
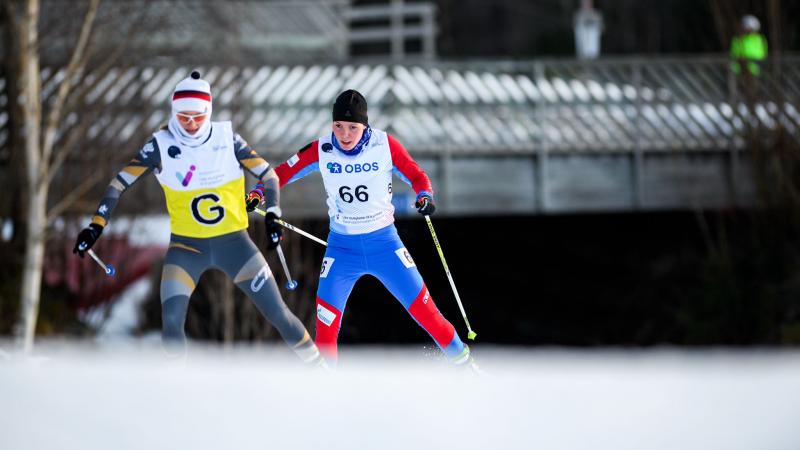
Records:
x=495, y=136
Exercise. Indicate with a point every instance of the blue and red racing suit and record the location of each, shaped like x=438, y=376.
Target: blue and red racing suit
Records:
x=363, y=239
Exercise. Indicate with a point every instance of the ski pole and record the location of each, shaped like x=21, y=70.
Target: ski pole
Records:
x=295, y=229
x=470, y=334
x=290, y=283
x=108, y=268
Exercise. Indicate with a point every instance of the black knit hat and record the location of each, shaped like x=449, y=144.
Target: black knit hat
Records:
x=350, y=106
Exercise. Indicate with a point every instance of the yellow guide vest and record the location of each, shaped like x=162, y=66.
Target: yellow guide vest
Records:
x=203, y=186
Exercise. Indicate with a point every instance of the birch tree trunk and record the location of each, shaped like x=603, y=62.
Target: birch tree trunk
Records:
x=38, y=143
x=34, y=259
x=30, y=97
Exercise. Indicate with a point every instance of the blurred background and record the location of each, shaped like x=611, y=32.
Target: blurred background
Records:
x=607, y=173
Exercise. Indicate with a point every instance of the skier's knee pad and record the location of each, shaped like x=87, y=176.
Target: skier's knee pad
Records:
x=329, y=320
x=425, y=312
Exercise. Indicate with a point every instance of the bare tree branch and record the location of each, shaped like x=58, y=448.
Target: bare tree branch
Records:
x=87, y=183
x=67, y=148
x=66, y=84
x=109, y=62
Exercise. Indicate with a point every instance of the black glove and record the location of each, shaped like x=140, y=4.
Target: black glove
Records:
x=425, y=205
x=86, y=238
x=274, y=230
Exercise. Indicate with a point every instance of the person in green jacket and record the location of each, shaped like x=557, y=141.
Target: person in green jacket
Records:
x=749, y=47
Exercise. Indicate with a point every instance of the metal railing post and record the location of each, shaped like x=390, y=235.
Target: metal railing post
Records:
x=444, y=191
x=540, y=112
x=733, y=154
x=397, y=23
x=429, y=39
x=637, y=165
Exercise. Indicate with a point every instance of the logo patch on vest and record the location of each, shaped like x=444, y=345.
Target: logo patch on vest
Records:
x=187, y=178
x=174, y=152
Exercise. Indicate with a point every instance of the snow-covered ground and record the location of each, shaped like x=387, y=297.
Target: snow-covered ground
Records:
x=109, y=396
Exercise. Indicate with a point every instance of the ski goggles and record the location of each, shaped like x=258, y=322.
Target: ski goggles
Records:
x=186, y=119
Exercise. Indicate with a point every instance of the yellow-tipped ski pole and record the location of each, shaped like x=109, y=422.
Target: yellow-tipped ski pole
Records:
x=470, y=334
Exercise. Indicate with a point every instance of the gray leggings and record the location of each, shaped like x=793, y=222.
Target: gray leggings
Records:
x=237, y=256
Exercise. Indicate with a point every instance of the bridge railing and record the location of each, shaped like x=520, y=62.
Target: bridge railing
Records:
x=619, y=105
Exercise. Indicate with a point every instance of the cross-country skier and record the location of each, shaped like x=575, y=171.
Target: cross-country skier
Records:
x=356, y=163
x=199, y=165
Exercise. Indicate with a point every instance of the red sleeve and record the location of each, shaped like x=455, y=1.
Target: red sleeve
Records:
x=305, y=161
x=404, y=163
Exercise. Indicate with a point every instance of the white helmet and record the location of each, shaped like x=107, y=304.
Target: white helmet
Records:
x=751, y=23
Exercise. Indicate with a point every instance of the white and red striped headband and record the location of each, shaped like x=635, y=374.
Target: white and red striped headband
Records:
x=192, y=94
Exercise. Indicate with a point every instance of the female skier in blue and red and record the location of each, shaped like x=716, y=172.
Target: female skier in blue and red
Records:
x=356, y=163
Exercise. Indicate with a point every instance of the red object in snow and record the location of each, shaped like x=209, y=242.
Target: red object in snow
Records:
x=84, y=278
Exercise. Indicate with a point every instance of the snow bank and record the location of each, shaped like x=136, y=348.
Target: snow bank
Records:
x=70, y=397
